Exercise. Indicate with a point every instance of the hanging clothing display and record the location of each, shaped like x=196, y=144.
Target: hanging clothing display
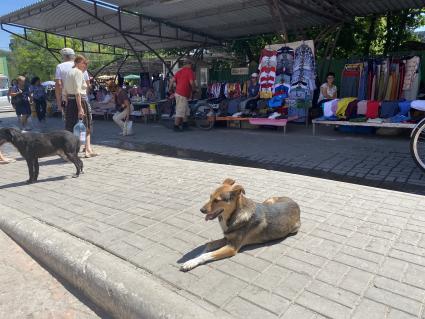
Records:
x=267, y=68
x=382, y=79
x=304, y=72
x=285, y=61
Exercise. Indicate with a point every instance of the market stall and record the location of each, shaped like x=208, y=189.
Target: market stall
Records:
x=376, y=93
x=283, y=90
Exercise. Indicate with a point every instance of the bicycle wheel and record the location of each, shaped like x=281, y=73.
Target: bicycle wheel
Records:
x=417, y=145
x=204, y=117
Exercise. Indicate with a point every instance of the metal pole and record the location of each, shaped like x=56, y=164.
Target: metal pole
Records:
x=31, y=41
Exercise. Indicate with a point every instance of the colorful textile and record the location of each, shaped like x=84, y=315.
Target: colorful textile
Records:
x=388, y=109
x=372, y=109
x=267, y=70
x=362, y=107
x=412, y=66
x=330, y=108
x=351, y=111
x=404, y=107
x=342, y=106
x=304, y=73
x=285, y=61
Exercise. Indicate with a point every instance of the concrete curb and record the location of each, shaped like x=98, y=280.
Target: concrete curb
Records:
x=109, y=282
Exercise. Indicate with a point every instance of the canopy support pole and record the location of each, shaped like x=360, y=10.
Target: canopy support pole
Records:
x=119, y=68
x=25, y=37
x=108, y=64
x=126, y=37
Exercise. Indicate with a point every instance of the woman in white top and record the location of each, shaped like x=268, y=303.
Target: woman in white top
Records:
x=328, y=90
x=75, y=89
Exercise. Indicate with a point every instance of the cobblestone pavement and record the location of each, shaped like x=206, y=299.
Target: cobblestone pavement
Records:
x=368, y=160
x=360, y=252
x=29, y=291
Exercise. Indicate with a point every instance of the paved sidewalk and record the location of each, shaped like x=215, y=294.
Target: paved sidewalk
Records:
x=29, y=291
x=378, y=161
x=360, y=252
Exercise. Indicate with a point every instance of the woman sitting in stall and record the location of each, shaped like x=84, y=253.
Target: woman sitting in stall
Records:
x=328, y=90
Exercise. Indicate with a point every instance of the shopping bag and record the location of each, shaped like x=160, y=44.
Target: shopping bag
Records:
x=128, y=128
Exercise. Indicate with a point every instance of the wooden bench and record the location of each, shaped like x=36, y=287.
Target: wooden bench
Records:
x=347, y=123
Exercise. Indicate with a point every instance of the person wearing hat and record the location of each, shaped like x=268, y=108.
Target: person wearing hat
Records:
x=253, y=94
x=68, y=56
x=254, y=87
x=185, y=86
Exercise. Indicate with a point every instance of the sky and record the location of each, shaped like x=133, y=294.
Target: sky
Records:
x=7, y=6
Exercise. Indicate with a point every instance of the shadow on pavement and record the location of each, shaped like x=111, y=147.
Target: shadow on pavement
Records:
x=19, y=184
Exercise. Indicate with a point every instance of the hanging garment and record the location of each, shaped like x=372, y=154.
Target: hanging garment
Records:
x=412, y=93
x=342, y=106
x=363, y=82
x=304, y=72
x=362, y=107
x=412, y=66
x=372, y=109
x=285, y=61
x=281, y=89
x=350, y=80
x=267, y=70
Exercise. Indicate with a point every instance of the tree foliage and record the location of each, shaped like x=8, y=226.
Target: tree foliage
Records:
x=29, y=59
x=371, y=35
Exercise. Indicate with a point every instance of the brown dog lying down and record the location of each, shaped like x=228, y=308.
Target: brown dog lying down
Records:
x=245, y=222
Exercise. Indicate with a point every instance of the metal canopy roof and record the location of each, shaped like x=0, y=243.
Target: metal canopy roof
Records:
x=141, y=25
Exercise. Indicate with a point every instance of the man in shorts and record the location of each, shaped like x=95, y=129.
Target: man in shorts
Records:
x=185, y=86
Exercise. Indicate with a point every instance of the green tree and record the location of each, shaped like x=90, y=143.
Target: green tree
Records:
x=29, y=59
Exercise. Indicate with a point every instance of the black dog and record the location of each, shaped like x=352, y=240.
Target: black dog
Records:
x=33, y=146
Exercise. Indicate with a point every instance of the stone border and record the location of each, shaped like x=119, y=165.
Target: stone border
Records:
x=117, y=287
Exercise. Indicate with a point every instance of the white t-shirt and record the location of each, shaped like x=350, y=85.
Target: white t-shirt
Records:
x=331, y=91
x=63, y=68
x=74, y=83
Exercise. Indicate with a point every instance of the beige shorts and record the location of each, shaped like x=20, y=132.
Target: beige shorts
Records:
x=182, y=106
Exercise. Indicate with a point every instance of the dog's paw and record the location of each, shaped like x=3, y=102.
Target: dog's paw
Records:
x=189, y=265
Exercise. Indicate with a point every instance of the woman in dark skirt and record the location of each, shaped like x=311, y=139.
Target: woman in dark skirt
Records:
x=75, y=88
x=20, y=100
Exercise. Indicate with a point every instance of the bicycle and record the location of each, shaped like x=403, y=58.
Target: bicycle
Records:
x=417, y=144
x=202, y=113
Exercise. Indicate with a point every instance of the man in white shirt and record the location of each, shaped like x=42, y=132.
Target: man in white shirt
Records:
x=68, y=56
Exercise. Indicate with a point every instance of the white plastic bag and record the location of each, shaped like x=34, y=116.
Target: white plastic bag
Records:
x=128, y=128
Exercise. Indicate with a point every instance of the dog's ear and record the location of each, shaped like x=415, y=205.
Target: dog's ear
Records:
x=237, y=190
x=228, y=181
